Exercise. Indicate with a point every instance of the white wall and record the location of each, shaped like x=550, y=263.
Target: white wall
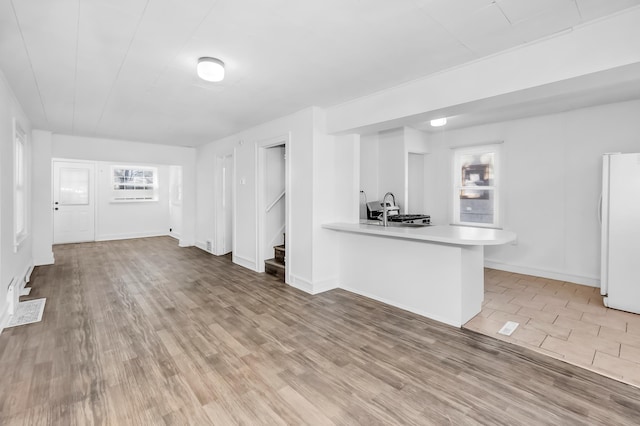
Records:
x=392, y=166
x=384, y=164
x=369, y=154
x=550, y=188
x=319, y=167
x=335, y=196
x=207, y=192
x=12, y=264
x=121, y=220
x=416, y=184
x=118, y=151
x=296, y=128
x=416, y=144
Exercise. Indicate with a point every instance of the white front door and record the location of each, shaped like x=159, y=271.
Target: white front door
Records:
x=73, y=202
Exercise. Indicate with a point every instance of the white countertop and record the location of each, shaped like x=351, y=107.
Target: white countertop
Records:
x=459, y=235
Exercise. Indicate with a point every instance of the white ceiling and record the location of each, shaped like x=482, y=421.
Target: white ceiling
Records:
x=125, y=69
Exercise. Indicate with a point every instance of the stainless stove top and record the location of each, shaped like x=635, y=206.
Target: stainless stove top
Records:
x=410, y=218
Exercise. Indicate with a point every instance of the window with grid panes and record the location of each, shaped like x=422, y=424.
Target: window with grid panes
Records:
x=475, y=188
x=134, y=183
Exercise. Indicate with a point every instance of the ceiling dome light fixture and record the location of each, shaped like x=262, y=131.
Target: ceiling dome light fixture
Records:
x=210, y=69
x=439, y=122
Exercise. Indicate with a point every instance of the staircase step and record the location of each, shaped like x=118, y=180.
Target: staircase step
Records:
x=280, y=252
x=271, y=266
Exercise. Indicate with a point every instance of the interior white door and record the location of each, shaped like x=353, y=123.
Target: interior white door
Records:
x=227, y=203
x=73, y=202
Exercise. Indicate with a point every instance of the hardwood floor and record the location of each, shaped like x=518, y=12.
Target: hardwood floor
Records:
x=144, y=332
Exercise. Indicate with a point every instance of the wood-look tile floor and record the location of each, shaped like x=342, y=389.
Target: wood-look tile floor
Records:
x=144, y=332
x=563, y=320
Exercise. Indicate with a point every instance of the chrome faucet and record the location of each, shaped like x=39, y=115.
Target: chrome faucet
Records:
x=385, y=221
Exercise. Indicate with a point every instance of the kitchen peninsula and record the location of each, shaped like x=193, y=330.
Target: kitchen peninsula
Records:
x=433, y=271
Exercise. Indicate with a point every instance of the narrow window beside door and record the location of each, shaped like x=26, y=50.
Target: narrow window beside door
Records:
x=134, y=183
x=20, y=186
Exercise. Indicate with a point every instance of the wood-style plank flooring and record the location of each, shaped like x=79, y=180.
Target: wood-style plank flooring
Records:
x=144, y=332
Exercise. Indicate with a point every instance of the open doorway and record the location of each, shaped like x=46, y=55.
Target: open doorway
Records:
x=272, y=207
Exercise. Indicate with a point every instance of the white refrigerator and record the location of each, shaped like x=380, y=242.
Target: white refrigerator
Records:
x=620, y=263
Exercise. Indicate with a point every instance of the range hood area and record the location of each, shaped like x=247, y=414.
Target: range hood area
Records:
x=395, y=161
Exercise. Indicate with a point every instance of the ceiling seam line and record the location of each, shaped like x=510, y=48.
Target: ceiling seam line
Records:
x=441, y=25
x=495, y=3
x=33, y=72
x=124, y=59
x=575, y=2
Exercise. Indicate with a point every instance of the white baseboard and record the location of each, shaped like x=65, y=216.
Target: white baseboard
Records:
x=174, y=235
x=186, y=243
x=245, y=262
x=11, y=299
x=128, y=236
x=325, y=285
x=553, y=275
x=46, y=260
x=398, y=305
x=307, y=286
x=26, y=277
x=301, y=284
x=202, y=246
x=4, y=314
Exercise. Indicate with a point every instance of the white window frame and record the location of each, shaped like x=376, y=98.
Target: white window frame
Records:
x=458, y=185
x=133, y=192
x=20, y=186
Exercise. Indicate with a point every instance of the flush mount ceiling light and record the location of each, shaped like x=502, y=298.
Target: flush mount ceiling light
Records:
x=210, y=69
x=439, y=122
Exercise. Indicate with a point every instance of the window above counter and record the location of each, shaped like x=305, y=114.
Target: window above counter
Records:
x=476, y=186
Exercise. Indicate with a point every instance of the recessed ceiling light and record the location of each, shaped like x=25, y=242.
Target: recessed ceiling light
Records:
x=438, y=122
x=210, y=69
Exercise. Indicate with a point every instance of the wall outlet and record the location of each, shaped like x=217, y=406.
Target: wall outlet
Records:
x=170, y=229
x=209, y=246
